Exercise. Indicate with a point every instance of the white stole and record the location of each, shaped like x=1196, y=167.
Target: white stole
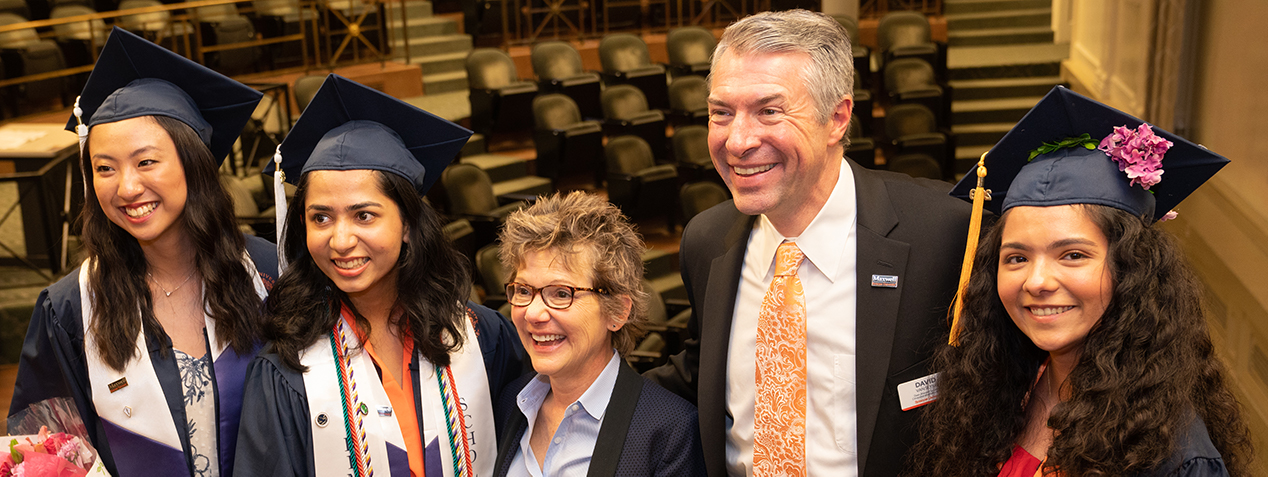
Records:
x=330, y=451
x=139, y=406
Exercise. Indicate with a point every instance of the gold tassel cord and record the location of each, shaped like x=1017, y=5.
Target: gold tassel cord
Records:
x=979, y=195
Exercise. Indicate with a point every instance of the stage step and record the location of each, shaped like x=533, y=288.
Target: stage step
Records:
x=951, y=7
x=475, y=145
x=993, y=88
x=499, y=168
x=979, y=134
x=412, y=10
x=1000, y=19
x=423, y=27
x=447, y=82
x=453, y=106
x=967, y=156
x=435, y=44
x=991, y=110
x=1000, y=36
x=527, y=185
x=442, y=63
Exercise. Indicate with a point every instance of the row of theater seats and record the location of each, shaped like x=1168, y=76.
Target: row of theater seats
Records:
x=913, y=93
x=500, y=101
x=30, y=51
x=571, y=111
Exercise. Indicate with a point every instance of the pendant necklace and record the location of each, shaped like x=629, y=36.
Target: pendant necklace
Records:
x=178, y=287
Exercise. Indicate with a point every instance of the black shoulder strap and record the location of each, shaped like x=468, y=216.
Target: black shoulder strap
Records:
x=616, y=422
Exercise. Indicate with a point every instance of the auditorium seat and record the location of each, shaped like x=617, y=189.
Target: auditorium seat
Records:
x=559, y=70
x=636, y=184
x=625, y=60
x=688, y=101
x=690, y=50
x=625, y=112
x=500, y=101
x=24, y=53
x=565, y=141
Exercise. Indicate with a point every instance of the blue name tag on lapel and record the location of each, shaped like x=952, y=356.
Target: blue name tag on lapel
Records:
x=884, y=281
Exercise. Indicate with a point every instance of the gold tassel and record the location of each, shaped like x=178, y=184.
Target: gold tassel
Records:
x=979, y=195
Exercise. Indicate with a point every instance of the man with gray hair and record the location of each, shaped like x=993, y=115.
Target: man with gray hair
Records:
x=820, y=292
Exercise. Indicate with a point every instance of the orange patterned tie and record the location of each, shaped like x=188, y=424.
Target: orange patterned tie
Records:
x=779, y=416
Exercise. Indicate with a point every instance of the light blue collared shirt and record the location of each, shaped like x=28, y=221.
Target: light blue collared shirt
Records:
x=573, y=444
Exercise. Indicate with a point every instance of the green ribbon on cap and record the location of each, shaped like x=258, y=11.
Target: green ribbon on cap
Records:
x=1085, y=141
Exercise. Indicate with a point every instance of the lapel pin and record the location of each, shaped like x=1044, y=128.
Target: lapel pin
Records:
x=322, y=420
x=385, y=411
x=884, y=281
x=127, y=411
x=118, y=384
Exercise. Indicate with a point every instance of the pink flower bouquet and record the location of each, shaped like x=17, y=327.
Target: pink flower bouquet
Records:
x=45, y=453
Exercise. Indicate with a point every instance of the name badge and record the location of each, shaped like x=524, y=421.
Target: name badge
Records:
x=884, y=281
x=918, y=392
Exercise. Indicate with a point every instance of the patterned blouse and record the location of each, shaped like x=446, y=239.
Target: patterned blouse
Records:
x=200, y=409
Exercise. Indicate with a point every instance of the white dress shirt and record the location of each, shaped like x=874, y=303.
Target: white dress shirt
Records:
x=572, y=445
x=828, y=276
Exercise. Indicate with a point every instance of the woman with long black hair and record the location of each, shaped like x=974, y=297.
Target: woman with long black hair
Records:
x=152, y=334
x=377, y=363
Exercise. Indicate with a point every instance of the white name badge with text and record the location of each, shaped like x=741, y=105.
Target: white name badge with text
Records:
x=918, y=392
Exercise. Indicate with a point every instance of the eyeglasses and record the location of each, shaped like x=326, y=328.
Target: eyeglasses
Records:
x=558, y=297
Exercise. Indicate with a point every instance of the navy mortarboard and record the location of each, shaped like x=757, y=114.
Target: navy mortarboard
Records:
x=348, y=126
x=1070, y=149
x=134, y=77
x=1071, y=137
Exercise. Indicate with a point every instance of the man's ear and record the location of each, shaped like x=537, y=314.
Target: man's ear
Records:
x=839, y=122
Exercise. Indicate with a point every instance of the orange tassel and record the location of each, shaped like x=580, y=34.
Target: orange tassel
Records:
x=980, y=196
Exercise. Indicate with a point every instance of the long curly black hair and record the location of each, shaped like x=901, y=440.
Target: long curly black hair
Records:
x=432, y=284
x=118, y=281
x=1146, y=362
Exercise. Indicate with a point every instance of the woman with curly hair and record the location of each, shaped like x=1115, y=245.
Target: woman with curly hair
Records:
x=152, y=334
x=578, y=304
x=1082, y=347
x=377, y=364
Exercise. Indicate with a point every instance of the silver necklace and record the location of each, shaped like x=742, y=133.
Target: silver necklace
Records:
x=178, y=287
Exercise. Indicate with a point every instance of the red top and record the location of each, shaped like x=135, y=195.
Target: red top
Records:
x=1021, y=464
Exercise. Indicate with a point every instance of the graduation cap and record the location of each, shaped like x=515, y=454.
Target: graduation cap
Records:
x=1070, y=149
x=348, y=126
x=135, y=77
x=1064, y=171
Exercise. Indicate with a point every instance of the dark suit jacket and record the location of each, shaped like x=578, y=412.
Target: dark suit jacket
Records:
x=655, y=431
x=906, y=227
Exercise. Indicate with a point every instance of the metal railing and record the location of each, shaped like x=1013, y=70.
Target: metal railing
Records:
x=329, y=32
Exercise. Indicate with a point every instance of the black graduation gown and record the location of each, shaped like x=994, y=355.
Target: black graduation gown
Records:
x=53, y=364
x=275, y=437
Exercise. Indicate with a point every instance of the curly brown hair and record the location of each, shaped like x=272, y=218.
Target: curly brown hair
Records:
x=1148, y=361
x=579, y=224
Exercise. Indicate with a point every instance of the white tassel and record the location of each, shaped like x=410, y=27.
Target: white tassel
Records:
x=279, y=199
x=82, y=131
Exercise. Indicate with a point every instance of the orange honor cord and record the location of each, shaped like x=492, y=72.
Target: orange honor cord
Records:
x=980, y=195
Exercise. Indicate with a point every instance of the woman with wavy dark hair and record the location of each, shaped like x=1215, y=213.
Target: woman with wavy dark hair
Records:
x=152, y=334
x=377, y=361
x=1082, y=347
